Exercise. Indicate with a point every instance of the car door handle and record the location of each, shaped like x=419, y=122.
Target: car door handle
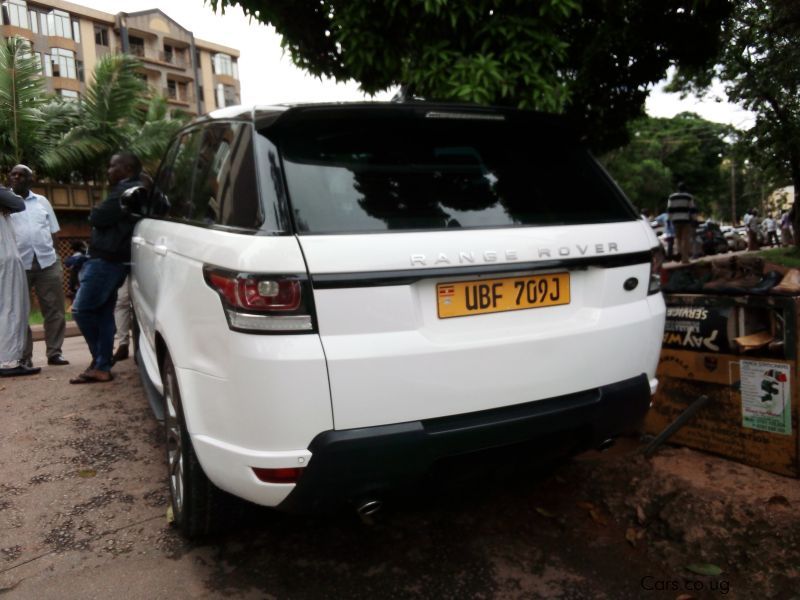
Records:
x=138, y=240
x=160, y=249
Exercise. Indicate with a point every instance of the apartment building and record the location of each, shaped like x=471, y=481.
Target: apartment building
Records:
x=68, y=39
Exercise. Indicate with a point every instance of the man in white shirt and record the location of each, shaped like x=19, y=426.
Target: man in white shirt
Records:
x=34, y=229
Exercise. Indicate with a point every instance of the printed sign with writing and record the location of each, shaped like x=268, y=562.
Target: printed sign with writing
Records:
x=697, y=327
x=766, y=396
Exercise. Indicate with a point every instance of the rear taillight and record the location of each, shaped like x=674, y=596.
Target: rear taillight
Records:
x=263, y=303
x=656, y=260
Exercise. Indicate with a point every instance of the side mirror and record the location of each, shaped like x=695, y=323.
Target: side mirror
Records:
x=134, y=200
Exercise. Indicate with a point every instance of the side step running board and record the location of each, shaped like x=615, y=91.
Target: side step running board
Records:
x=153, y=397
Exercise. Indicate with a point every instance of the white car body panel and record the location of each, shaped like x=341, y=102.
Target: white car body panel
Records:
x=242, y=394
x=391, y=359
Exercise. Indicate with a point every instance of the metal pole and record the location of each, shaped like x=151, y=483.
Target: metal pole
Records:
x=675, y=425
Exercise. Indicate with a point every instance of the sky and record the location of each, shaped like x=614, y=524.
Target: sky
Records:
x=268, y=76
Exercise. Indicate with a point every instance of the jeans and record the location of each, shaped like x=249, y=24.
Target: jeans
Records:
x=93, y=309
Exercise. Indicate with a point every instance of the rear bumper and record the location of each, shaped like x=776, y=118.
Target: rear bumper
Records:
x=370, y=461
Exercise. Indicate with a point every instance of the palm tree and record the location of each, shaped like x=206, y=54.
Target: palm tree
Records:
x=21, y=94
x=151, y=131
x=117, y=112
x=105, y=112
x=65, y=139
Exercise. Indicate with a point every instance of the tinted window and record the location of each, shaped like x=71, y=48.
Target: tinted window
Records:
x=225, y=190
x=173, y=185
x=352, y=175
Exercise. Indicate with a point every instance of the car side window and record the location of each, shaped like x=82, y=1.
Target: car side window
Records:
x=173, y=191
x=225, y=191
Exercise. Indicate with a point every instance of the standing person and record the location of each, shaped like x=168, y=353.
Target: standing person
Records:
x=668, y=234
x=682, y=212
x=14, y=296
x=74, y=262
x=772, y=230
x=753, y=225
x=787, y=239
x=123, y=310
x=106, y=270
x=122, y=320
x=34, y=228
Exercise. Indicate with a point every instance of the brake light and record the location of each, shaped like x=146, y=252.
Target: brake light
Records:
x=262, y=303
x=656, y=261
x=256, y=294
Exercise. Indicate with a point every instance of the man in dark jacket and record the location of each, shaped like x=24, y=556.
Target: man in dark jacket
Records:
x=106, y=269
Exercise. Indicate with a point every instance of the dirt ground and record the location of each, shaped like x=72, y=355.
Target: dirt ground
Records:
x=83, y=515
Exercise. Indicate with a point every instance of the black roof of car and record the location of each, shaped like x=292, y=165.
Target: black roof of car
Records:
x=285, y=115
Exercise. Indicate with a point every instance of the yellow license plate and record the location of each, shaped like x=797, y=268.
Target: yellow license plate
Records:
x=500, y=295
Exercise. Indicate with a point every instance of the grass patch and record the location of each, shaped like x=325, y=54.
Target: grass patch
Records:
x=787, y=257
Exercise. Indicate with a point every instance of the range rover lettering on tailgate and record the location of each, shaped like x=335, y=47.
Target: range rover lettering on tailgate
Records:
x=334, y=300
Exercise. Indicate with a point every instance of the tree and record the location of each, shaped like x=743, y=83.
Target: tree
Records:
x=760, y=66
x=594, y=60
x=21, y=94
x=114, y=114
x=663, y=152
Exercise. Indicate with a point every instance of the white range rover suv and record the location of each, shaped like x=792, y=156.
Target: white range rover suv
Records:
x=332, y=299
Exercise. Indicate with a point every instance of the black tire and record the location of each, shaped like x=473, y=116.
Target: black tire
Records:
x=198, y=506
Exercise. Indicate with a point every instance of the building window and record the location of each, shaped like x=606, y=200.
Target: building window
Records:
x=225, y=65
x=100, y=35
x=60, y=63
x=136, y=45
x=38, y=21
x=58, y=24
x=226, y=95
x=76, y=30
x=15, y=12
x=70, y=95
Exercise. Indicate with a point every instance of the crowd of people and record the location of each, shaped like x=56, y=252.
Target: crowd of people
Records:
x=29, y=263
x=679, y=224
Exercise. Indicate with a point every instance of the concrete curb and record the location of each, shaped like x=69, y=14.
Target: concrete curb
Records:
x=71, y=331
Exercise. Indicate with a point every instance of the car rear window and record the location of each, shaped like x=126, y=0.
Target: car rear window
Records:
x=354, y=175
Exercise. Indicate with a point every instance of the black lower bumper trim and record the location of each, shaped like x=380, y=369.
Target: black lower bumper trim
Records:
x=356, y=463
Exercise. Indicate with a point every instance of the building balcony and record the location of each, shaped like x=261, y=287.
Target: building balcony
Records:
x=183, y=97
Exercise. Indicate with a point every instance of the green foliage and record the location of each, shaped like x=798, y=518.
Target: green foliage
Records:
x=114, y=114
x=760, y=66
x=594, y=60
x=788, y=257
x=663, y=152
x=21, y=93
x=150, y=130
x=105, y=111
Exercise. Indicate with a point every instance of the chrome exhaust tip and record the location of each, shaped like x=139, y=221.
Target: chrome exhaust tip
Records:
x=367, y=508
x=607, y=444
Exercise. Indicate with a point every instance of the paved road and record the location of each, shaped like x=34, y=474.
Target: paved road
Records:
x=83, y=515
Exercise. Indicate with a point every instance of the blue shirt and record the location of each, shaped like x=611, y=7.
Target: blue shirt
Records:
x=34, y=228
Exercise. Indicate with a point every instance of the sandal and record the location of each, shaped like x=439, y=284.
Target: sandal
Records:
x=91, y=376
